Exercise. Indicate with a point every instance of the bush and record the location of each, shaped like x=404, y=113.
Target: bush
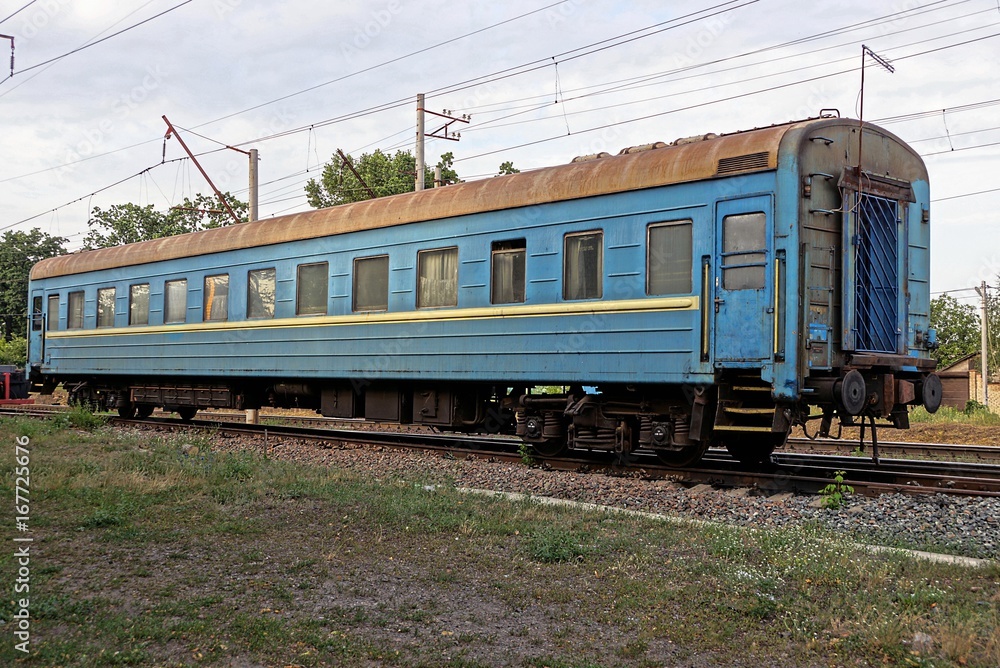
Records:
x=14, y=352
x=972, y=407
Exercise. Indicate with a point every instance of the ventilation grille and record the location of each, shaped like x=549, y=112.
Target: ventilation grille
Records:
x=742, y=163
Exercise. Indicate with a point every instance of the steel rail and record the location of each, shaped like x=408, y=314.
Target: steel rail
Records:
x=985, y=453
x=788, y=472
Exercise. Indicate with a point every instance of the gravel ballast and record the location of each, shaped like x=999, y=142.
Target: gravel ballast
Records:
x=961, y=525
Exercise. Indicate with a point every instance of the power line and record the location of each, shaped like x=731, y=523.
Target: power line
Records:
x=518, y=70
x=99, y=190
x=962, y=148
x=377, y=108
x=486, y=78
x=382, y=64
x=582, y=51
x=103, y=39
x=952, y=134
x=87, y=43
x=936, y=112
x=18, y=11
x=480, y=126
x=688, y=91
x=978, y=192
x=630, y=83
x=716, y=101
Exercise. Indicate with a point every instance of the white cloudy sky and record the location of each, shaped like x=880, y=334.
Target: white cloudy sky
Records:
x=543, y=80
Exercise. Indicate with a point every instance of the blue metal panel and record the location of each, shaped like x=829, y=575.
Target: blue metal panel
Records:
x=655, y=346
x=918, y=270
x=603, y=347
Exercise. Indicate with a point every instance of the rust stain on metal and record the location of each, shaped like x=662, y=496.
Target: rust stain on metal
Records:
x=646, y=169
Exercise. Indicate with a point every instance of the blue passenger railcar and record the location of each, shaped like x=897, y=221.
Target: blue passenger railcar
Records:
x=711, y=290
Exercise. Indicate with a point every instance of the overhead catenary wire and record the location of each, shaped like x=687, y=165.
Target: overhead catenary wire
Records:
x=379, y=65
x=103, y=39
x=405, y=102
x=673, y=111
x=810, y=38
x=18, y=11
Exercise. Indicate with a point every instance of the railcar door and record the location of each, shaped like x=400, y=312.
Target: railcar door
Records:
x=36, y=328
x=743, y=292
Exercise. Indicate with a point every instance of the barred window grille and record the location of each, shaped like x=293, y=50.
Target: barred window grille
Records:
x=877, y=274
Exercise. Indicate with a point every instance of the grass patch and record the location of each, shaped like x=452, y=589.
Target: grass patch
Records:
x=203, y=557
x=553, y=545
x=975, y=414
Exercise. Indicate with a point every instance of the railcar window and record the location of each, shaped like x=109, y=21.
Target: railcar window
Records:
x=437, y=278
x=583, y=265
x=371, y=283
x=744, y=242
x=138, y=304
x=507, y=280
x=260, y=293
x=106, y=307
x=216, y=303
x=36, y=314
x=74, y=312
x=668, y=258
x=311, y=289
x=53, y=313
x=175, y=301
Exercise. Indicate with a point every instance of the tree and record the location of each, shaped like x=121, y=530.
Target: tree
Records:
x=993, y=330
x=380, y=172
x=18, y=252
x=508, y=168
x=957, y=326
x=129, y=223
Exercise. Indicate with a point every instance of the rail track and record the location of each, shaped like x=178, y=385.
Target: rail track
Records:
x=788, y=472
x=948, y=452
x=898, y=449
x=804, y=466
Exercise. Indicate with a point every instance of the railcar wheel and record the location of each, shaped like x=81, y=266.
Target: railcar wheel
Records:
x=686, y=456
x=187, y=413
x=931, y=392
x=754, y=448
x=127, y=411
x=144, y=410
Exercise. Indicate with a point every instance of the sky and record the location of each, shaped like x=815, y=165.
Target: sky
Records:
x=543, y=81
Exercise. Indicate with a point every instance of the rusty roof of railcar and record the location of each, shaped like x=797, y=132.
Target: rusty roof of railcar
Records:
x=656, y=167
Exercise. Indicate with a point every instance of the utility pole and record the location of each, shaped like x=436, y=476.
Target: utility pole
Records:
x=984, y=345
x=347, y=163
x=171, y=130
x=441, y=133
x=252, y=414
x=420, y=142
x=253, y=185
x=11, y=38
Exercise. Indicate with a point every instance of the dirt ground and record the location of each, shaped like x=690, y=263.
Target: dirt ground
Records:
x=931, y=432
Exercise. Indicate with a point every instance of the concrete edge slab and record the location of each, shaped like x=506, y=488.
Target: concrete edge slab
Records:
x=951, y=559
